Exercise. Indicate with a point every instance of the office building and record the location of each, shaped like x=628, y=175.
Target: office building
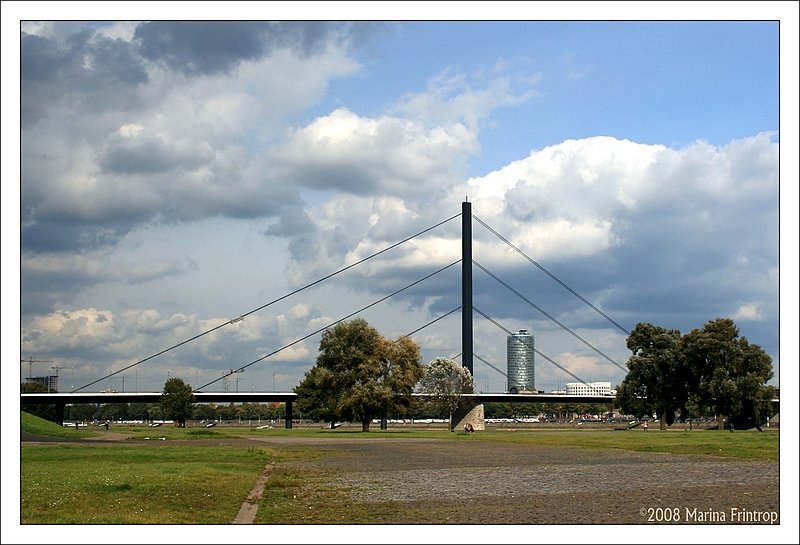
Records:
x=589, y=389
x=520, y=362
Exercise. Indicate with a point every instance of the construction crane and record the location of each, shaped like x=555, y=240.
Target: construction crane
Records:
x=57, y=367
x=30, y=361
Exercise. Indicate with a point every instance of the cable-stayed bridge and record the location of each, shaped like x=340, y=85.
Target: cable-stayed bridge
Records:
x=467, y=308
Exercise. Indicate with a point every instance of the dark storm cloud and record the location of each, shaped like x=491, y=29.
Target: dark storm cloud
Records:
x=293, y=221
x=52, y=70
x=295, y=224
x=105, y=148
x=671, y=267
x=148, y=155
x=335, y=177
x=209, y=47
x=200, y=47
x=56, y=236
x=41, y=291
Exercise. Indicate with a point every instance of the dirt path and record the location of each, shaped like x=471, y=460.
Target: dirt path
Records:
x=247, y=513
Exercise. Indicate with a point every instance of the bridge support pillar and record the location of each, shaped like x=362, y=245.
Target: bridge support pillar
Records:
x=468, y=411
x=466, y=286
x=59, y=416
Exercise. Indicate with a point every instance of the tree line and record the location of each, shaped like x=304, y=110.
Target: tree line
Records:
x=710, y=371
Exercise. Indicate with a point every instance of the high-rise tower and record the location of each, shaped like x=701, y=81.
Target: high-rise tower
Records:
x=520, y=362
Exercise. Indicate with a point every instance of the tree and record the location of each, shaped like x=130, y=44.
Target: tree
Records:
x=137, y=411
x=732, y=373
x=317, y=396
x=33, y=388
x=112, y=411
x=155, y=412
x=46, y=411
x=82, y=412
x=445, y=381
x=657, y=374
x=204, y=411
x=177, y=401
x=401, y=369
x=710, y=370
x=359, y=375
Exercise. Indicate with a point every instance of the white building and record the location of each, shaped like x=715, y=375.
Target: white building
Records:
x=589, y=389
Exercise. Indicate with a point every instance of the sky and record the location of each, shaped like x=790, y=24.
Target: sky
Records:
x=175, y=176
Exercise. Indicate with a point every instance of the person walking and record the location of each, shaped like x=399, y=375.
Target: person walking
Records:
x=644, y=425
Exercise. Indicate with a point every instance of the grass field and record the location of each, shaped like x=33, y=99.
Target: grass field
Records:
x=112, y=484
x=749, y=445
x=145, y=479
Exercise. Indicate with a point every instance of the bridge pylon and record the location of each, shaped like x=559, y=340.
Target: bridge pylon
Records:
x=466, y=286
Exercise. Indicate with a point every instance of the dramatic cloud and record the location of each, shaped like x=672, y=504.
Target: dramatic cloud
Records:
x=176, y=175
x=640, y=221
x=150, y=145
x=343, y=152
x=206, y=47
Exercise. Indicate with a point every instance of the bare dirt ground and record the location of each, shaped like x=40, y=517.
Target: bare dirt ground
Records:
x=492, y=483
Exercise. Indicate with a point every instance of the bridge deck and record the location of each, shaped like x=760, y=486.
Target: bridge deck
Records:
x=61, y=400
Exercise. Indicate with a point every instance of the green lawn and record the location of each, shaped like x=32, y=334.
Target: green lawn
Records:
x=120, y=484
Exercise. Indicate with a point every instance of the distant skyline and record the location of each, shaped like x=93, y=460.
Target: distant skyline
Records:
x=177, y=175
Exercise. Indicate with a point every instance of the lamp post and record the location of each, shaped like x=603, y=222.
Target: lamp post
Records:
x=232, y=371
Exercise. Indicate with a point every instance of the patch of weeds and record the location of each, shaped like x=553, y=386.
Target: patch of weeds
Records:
x=291, y=497
x=202, y=433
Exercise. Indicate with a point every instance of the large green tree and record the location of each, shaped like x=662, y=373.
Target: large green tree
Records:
x=401, y=368
x=707, y=371
x=177, y=401
x=446, y=380
x=359, y=375
x=317, y=397
x=731, y=373
x=657, y=374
